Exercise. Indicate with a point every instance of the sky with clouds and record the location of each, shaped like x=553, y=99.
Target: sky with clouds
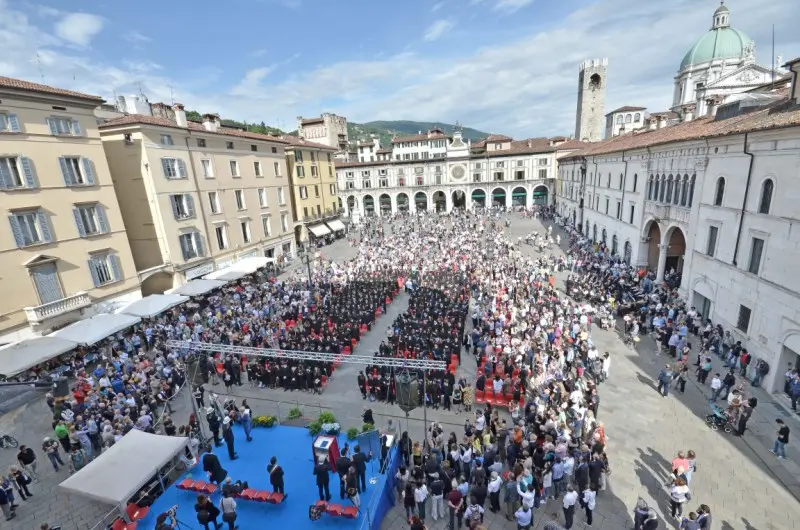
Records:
x=505, y=66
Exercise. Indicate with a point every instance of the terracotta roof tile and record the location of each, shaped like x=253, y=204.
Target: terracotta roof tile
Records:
x=300, y=142
x=784, y=113
x=140, y=119
x=19, y=84
x=626, y=108
x=312, y=121
x=498, y=138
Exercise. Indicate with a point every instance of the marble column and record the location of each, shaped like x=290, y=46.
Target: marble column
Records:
x=662, y=262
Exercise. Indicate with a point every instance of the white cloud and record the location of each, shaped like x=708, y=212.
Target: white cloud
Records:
x=258, y=53
x=437, y=6
x=511, y=6
x=135, y=37
x=79, y=28
x=521, y=86
x=437, y=29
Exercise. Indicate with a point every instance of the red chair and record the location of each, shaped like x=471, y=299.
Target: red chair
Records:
x=322, y=505
x=335, y=510
x=350, y=512
x=323, y=381
x=262, y=496
x=186, y=484
x=489, y=397
x=276, y=498
x=249, y=494
x=135, y=513
x=209, y=489
x=480, y=396
x=119, y=524
x=363, y=328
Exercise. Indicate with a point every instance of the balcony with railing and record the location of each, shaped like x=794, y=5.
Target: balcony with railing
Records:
x=667, y=212
x=329, y=213
x=39, y=314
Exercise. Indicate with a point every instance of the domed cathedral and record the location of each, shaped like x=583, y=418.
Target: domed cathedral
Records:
x=720, y=64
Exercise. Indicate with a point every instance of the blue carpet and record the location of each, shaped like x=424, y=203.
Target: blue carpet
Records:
x=292, y=447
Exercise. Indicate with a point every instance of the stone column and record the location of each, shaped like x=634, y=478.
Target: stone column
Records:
x=393, y=199
x=662, y=262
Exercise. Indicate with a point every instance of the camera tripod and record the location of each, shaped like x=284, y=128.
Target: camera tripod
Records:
x=181, y=524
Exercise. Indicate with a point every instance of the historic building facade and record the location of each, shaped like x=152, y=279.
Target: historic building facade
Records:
x=495, y=171
x=712, y=198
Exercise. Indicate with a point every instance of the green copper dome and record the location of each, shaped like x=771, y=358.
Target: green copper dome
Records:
x=718, y=43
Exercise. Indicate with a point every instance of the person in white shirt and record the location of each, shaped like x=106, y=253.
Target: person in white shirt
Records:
x=495, y=483
x=526, y=493
x=480, y=421
x=716, y=386
x=570, y=499
x=466, y=461
x=589, y=498
x=524, y=517
x=420, y=496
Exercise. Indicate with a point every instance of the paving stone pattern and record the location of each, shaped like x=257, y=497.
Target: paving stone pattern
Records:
x=746, y=486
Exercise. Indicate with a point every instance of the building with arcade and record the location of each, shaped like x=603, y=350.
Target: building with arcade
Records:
x=713, y=198
x=431, y=171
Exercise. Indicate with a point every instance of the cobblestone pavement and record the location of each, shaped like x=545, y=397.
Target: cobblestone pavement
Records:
x=746, y=487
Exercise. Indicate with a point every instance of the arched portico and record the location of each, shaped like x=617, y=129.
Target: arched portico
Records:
x=439, y=201
x=385, y=203
x=369, y=205
x=478, y=197
x=402, y=202
x=421, y=201
x=459, y=199
x=541, y=195
x=499, y=197
x=519, y=196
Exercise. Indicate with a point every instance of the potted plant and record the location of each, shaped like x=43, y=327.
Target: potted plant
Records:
x=294, y=414
x=352, y=432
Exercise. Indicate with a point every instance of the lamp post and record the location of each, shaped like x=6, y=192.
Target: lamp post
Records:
x=306, y=257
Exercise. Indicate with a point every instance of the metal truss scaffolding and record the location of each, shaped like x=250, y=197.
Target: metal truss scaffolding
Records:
x=389, y=362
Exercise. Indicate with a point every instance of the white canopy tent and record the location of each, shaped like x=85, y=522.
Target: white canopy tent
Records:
x=228, y=274
x=196, y=287
x=152, y=305
x=336, y=225
x=252, y=263
x=20, y=356
x=116, y=475
x=319, y=230
x=96, y=328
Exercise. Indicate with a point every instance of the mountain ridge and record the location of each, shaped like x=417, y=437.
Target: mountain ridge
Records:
x=387, y=129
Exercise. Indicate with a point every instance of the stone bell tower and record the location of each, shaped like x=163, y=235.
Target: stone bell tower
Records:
x=590, y=118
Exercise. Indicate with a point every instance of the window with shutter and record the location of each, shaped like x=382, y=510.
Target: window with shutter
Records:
x=88, y=171
x=64, y=126
x=91, y=220
x=10, y=123
x=11, y=173
x=48, y=286
x=104, y=269
x=73, y=171
x=173, y=168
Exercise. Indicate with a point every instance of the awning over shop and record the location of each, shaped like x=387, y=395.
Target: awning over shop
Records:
x=252, y=263
x=319, y=230
x=336, y=225
x=228, y=274
x=196, y=287
x=152, y=305
x=478, y=194
x=94, y=329
x=498, y=194
x=117, y=474
x=519, y=194
x=20, y=356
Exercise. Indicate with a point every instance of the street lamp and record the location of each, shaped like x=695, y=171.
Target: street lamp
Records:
x=306, y=256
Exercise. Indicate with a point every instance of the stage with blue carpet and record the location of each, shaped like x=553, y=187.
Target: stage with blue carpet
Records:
x=293, y=448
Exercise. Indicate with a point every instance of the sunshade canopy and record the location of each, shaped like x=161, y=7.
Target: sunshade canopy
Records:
x=96, y=328
x=117, y=474
x=20, y=356
x=228, y=274
x=152, y=305
x=335, y=225
x=196, y=287
x=319, y=230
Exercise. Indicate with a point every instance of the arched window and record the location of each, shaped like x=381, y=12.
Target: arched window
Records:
x=650, y=185
x=765, y=202
x=637, y=117
x=719, y=192
x=614, y=245
x=691, y=190
x=628, y=118
x=684, y=189
x=604, y=236
x=676, y=198
x=663, y=190
x=669, y=189
x=619, y=119
x=635, y=181
x=621, y=177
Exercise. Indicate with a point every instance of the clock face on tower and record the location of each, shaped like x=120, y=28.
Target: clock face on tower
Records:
x=457, y=172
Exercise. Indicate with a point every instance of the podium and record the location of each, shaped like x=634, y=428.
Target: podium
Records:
x=326, y=446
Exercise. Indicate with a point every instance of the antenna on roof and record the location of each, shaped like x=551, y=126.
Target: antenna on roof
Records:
x=773, y=57
x=39, y=66
x=171, y=95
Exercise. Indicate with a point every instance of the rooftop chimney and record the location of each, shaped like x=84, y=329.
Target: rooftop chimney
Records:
x=794, y=67
x=180, y=115
x=662, y=121
x=712, y=104
x=210, y=122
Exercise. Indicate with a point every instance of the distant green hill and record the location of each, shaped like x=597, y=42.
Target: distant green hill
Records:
x=260, y=128
x=385, y=130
